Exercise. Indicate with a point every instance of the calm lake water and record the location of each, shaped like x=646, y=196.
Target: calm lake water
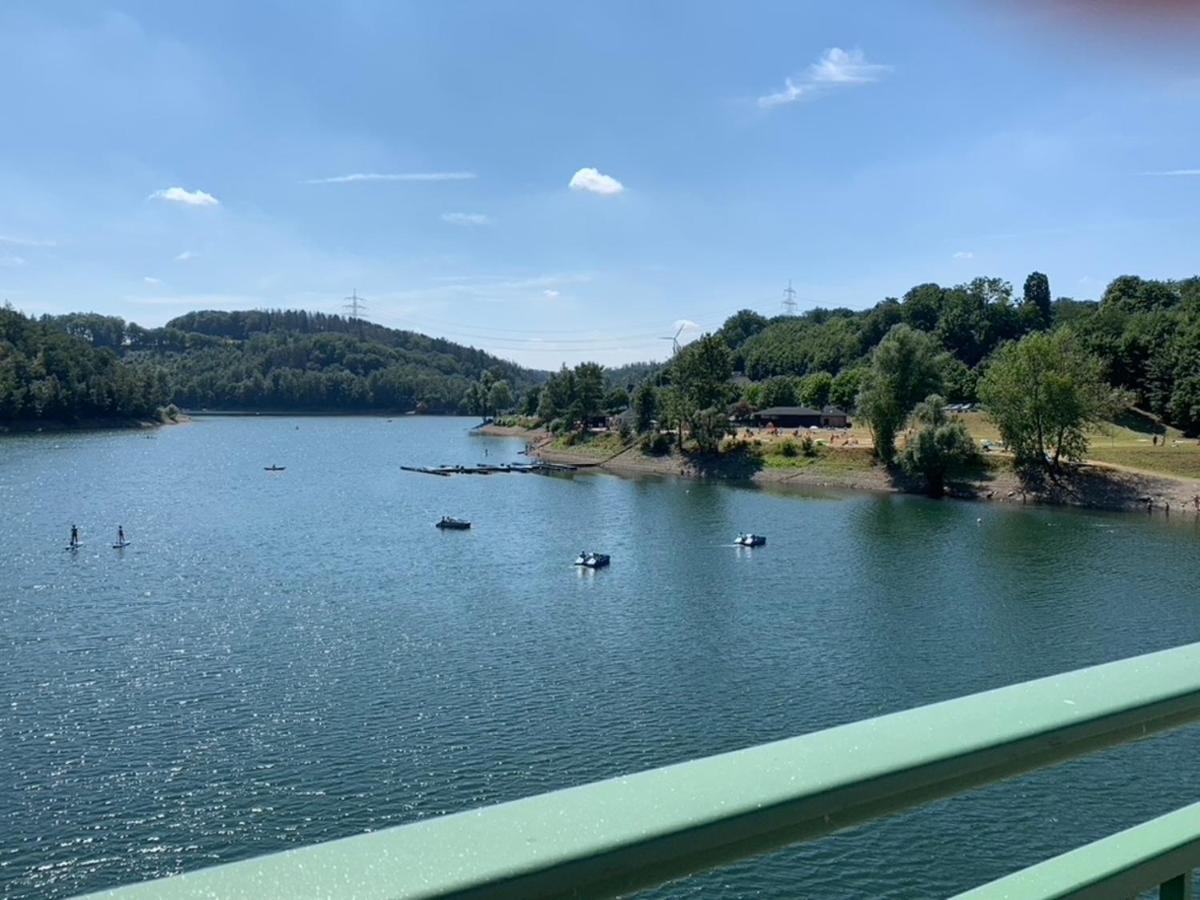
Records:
x=284, y=658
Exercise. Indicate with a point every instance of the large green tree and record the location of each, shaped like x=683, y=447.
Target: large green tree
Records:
x=905, y=368
x=1035, y=301
x=700, y=377
x=941, y=447
x=1044, y=393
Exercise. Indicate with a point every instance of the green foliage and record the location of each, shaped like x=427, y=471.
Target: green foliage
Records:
x=708, y=427
x=941, y=447
x=1035, y=302
x=788, y=448
x=576, y=395
x=808, y=447
x=700, y=389
x=846, y=387
x=905, y=367
x=616, y=401
x=645, y=408
x=782, y=390
x=656, y=444
x=1044, y=393
x=814, y=389
x=48, y=374
x=499, y=397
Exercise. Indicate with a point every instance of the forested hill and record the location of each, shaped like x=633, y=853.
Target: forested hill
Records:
x=295, y=360
x=84, y=366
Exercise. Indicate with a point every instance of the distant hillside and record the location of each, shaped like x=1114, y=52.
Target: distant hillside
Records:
x=289, y=360
x=310, y=361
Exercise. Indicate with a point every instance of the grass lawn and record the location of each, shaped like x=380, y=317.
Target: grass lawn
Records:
x=1181, y=461
x=600, y=446
x=831, y=460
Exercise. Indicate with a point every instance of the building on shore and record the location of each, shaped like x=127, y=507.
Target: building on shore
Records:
x=802, y=417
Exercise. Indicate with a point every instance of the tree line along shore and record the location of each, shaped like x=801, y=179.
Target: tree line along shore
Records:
x=1060, y=382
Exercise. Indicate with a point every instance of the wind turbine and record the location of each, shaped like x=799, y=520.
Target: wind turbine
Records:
x=674, y=339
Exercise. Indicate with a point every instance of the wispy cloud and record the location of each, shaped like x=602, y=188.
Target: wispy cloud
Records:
x=461, y=218
x=834, y=70
x=964, y=254
x=393, y=176
x=1175, y=172
x=186, y=197
x=152, y=281
x=595, y=182
x=10, y=261
x=550, y=294
x=25, y=242
x=186, y=255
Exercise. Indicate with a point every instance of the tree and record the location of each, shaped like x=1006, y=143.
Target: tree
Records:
x=846, y=387
x=533, y=396
x=700, y=378
x=741, y=326
x=645, y=406
x=941, y=448
x=1044, y=392
x=708, y=427
x=589, y=392
x=1035, y=302
x=616, y=401
x=499, y=396
x=814, y=389
x=905, y=367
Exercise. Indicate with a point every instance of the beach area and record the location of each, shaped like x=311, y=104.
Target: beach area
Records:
x=843, y=460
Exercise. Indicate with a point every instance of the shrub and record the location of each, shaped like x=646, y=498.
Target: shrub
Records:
x=656, y=444
x=807, y=446
x=789, y=449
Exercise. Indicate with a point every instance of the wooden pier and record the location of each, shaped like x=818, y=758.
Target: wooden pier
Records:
x=536, y=468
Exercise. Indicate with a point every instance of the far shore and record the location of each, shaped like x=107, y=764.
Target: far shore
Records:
x=104, y=423
x=1090, y=486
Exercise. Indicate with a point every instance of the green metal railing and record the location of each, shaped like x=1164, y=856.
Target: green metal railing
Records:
x=611, y=837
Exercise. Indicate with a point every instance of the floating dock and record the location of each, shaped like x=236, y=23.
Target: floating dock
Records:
x=537, y=468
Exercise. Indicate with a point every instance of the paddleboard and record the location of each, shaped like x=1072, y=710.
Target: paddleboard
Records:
x=121, y=546
x=73, y=546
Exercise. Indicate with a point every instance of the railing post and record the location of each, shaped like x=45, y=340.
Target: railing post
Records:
x=1178, y=888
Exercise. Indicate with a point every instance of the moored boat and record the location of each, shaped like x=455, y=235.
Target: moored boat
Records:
x=750, y=540
x=592, y=560
x=274, y=468
x=453, y=524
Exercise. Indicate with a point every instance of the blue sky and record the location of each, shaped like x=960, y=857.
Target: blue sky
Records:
x=157, y=158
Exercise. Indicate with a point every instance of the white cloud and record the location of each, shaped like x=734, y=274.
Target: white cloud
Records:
x=186, y=255
x=550, y=294
x=393, y=176
x=595, y=182
x=461, y=218
x=187, y=198
x=1175, y=172
x=10, y=261
x=964, y=254
x=835, y=69
x=25, y=242
x=153, y=282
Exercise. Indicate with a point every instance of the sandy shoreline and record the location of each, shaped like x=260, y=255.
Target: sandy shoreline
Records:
x=1091, y=486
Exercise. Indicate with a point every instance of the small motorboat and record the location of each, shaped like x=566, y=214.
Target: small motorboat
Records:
x=453, y=524
x=274, y=468
x=750, y=540
x=592, y=560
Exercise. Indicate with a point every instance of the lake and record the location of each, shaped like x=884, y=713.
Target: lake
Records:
x=285, y=658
